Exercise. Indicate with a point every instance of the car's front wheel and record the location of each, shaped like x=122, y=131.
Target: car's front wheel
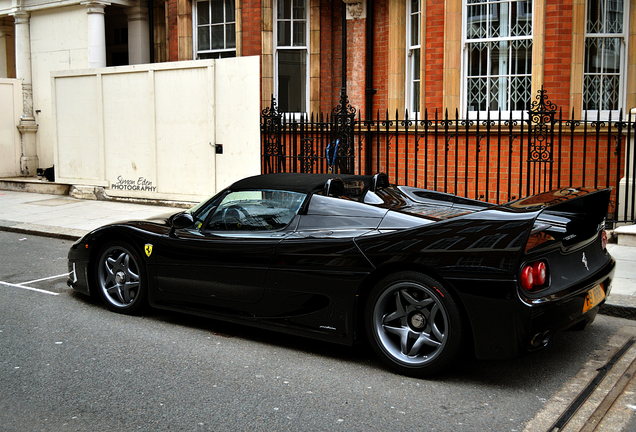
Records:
x=120, y=278
x=413, y=323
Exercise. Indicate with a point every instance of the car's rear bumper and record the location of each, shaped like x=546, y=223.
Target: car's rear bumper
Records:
x=504, y=327
x=565, y=310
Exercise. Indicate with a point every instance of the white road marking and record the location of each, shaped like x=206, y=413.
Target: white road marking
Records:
x=28, y=288
x=43, y=279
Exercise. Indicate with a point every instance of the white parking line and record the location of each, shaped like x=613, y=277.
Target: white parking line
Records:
x=28, y=288
x=43, y=279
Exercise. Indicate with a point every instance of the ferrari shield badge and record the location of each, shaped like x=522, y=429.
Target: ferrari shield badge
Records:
x=148, y=249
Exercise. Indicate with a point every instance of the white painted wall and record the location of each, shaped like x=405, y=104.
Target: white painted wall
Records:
x=149, y=131
x=11, y=108
x=59, y=41
x=238, y=108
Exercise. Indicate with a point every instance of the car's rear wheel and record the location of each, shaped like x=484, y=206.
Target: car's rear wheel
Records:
x=120, y=278
x=413, y=323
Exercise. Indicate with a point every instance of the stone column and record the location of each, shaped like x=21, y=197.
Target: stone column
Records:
x=23, y=61
x=5, y=32
x=138, y=35
x=96, y=33
x=28, y=127
x=356, y=52
x=627, y=184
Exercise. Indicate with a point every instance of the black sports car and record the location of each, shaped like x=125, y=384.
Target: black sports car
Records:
x=335, y=257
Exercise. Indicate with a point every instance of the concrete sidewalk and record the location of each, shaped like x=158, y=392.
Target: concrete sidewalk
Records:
x=65, y=217
x=70, y=218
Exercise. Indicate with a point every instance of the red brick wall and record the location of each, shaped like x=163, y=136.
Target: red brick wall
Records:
x=558, y=41
x=434, y=57
x=326, y=73
x=330, y=54
x=494, y=170
x=489, y=171
x=558, y=52
x=331, y=57
x=251, y=35
x=356, y=63
x=381, y=54
x=173, y=38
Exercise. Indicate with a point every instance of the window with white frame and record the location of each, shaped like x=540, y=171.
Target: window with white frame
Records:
x=604, y=55
x=215, y=29
x=498, y=55
x=292, y=55
x=413, y=57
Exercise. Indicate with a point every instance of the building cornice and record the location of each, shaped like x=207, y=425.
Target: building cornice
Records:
x=11, y=7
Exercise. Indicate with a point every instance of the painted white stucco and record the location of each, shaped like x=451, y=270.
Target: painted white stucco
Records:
x=58, y=42
x=11, y=103
x=238, y=118
x=154, y=124
x=149, y=131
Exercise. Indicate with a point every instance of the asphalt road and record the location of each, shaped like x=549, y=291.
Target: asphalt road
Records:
x=68, y=364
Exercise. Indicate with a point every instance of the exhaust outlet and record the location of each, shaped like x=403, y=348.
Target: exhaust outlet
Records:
x=540, y=340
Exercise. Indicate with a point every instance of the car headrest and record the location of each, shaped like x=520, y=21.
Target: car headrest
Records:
x=334, y=187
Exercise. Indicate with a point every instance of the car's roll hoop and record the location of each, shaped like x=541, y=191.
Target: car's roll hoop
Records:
x=334, y=187
x=379, y=180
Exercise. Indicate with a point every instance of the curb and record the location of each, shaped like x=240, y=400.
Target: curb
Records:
x=620, y=306
x=43, y=231
x=618, y=311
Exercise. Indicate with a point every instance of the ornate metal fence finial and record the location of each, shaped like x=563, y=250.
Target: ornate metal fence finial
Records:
x=271, y=128
x=542, y=110
x=541, y=124
x=344, y=108
x=271, y=112
x=342, y=135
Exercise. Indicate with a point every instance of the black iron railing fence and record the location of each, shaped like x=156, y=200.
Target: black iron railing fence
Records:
x=493, y=159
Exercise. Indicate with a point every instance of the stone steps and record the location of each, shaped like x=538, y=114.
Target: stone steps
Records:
x=626, y=235
x=34, y=184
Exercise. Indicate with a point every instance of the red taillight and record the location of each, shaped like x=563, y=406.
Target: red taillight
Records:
x=604, y=239
x=534, y=276
x=539, y=273
x=527, y=278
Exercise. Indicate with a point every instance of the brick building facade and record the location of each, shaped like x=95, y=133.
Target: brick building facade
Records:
x=475, y=59
x=470, y=55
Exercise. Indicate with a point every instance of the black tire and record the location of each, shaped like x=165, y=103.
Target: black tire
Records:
x=120, y=278
x=413, y=324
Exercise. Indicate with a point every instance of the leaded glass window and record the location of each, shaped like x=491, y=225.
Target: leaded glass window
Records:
x=604, y=55
x=413, y=56
x=498, y=55
x=292, y=54
x=215, y=29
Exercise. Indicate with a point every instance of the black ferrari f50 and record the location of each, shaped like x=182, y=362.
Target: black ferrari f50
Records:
x=341, y=257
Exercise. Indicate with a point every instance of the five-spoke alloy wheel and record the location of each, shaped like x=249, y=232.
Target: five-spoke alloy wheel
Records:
x=120, y=278
x=413, y=323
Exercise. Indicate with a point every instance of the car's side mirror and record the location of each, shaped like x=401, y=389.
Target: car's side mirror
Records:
x=182, y=220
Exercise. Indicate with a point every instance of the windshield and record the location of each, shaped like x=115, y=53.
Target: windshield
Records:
x=250, y=210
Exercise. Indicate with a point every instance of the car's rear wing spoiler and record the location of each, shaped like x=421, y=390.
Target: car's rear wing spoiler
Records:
x=588, y=203
x=569, y=214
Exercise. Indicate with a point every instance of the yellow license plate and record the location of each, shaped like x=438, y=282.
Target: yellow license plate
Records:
x=593, y=298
